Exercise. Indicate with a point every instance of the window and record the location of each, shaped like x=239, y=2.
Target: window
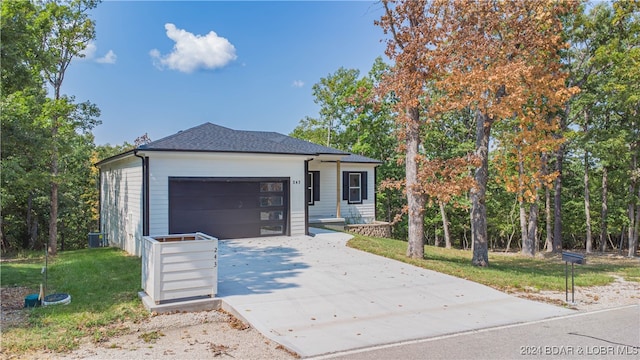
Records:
x=271, y=230
x=354, y=186
x=313, y=187
x=267, y=201
x=273, y=199
x=271, y=187
x=271, y=215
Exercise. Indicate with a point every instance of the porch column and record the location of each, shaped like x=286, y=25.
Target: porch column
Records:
x=338, y=188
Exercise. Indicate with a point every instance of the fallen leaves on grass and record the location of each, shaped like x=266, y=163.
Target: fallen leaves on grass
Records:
x=12, y=306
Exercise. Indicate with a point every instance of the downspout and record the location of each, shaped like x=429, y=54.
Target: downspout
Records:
x=145, y=192
x=375, y=193
x=306, y=197
x=338, y=190
x=100, y=229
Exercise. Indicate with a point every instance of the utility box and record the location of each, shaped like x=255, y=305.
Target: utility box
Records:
x=96, y=240
x=179, y=266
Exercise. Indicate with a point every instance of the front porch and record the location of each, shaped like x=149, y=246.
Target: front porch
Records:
x=379, y=229
x=329, y=222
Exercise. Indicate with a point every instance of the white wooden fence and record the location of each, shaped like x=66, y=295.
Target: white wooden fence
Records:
x=179, y=266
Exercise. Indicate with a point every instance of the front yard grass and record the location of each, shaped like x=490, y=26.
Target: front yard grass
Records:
x=506, y=271
x=103, y=284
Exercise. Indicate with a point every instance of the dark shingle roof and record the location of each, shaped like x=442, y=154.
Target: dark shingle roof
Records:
x=209, y=137
x=355, y=158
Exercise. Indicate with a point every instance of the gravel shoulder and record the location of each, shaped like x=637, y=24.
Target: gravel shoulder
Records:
x=212, y=334
x=200, y=335
x=195, y=335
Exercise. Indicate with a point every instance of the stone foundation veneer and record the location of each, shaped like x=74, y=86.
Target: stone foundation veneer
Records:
x=376, y=229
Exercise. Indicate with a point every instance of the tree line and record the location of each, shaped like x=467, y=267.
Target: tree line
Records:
x=506, y=124
x=502, y=125
x=49, y=187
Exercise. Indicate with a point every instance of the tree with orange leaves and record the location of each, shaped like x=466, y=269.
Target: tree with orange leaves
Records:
x=414, y=28
x=493, y=57
x=505, y=65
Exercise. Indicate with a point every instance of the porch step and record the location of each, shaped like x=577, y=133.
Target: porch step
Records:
x=328, y=222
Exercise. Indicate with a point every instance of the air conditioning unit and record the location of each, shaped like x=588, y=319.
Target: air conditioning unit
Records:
x=97, y=240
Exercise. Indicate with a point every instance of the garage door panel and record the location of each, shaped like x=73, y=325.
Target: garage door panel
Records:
x=222, y=202
x=237, y=217
x=228, y=208
x=220, y=232
x=197, y=188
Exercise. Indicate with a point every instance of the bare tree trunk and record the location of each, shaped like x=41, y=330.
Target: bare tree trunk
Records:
x=633, y=244
x=4, y=244
x=557, y=202
x=523, y=212
x=634, y=226
x=53, y=215
x=587, y=203
x=511, y=221
x=604, y=211
x=548, y=244
x=631, y=229
x=445, y=225
x=529, y=246
x=633, y=233
x=30, y=232
x=415, y=200
x=465, y=241
x=523, y=222
x=478, y=195
x=557, y=186
x=509, y=238
x=471, y=233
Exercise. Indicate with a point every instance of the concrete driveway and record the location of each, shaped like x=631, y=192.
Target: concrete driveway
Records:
x=316, y=296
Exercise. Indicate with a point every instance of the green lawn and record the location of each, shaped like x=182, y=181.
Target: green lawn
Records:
x=506, y=271
x=103, y=284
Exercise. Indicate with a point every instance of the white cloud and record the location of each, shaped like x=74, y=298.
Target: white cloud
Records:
x=90, y=51
x=192, y=52
x=109, y=58
x=298, y=83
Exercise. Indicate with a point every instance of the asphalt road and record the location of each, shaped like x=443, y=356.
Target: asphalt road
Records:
x=605, y=334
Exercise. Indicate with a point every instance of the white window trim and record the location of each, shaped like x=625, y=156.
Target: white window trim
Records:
x=359, y=187
x=310, y=188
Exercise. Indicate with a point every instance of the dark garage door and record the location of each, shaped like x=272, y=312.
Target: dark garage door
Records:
x=229, y=208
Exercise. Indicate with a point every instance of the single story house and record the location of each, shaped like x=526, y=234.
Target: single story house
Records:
x=231, y=184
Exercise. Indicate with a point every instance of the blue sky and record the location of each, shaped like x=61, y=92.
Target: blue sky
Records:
x=161, y=67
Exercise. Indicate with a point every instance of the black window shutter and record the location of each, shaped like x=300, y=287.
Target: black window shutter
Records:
x=316, y=186
x=363, y=185
x=345, y=185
